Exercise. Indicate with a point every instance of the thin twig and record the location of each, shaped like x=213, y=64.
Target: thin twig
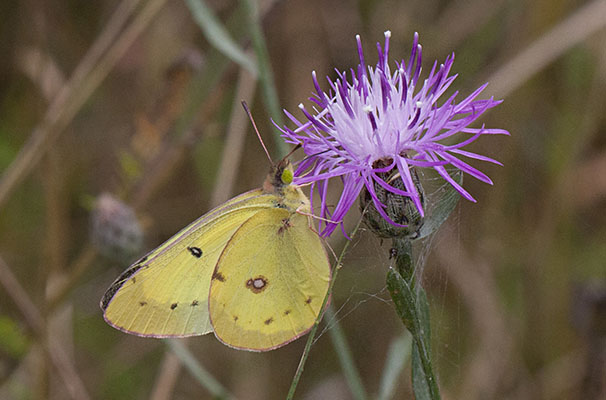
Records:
x=93, y=68
x=64, y=366
x=167, y=377
x=460, y=19
x=234, y=140
x=15, y=291
x=266, y=76
x=66, y=370
x=352, y=376
x=579, y=26
x=201, y=375
x=76, y=269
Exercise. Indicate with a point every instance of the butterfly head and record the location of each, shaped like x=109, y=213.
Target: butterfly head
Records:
x=280, y=176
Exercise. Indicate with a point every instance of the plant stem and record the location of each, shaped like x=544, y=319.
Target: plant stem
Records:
x=411, y=305
x=312, y=333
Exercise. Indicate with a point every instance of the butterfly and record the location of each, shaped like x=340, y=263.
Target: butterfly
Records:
x=252, y=270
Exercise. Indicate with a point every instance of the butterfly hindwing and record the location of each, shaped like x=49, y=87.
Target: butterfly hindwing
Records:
x=166, y=292
x=269, y=282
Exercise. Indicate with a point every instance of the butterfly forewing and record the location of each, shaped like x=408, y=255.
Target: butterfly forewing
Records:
x=166, y=292
x=270, y=281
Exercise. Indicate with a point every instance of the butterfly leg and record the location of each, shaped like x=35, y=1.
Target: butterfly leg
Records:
x=312, y=216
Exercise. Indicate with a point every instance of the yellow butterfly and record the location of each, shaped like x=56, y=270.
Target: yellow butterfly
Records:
x=252, y=270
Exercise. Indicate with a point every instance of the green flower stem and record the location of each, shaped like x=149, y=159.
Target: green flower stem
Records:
x=412, y=307
x=339, y=341
x=314, y=329
x=402, y=251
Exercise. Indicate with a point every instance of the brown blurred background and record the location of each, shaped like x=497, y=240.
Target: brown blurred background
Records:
x=130, y=98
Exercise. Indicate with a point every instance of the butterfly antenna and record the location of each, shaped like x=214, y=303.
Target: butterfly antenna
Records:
x=297, y=147
x=309, y=156
x=256, y=130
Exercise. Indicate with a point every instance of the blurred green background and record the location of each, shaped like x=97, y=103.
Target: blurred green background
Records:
x=133, y=99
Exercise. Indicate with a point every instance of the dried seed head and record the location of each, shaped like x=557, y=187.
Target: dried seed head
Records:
x=115, y=229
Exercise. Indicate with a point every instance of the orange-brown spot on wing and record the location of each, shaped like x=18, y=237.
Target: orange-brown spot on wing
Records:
x=218, y=276
x=257, y=284
x=285, y=225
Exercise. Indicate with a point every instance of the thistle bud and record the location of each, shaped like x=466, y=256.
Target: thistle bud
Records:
x=400, y=209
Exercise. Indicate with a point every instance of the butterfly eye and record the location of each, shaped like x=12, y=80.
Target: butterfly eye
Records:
x=287, y=176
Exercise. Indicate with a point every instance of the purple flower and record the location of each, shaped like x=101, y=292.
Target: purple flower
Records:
x=379, y=121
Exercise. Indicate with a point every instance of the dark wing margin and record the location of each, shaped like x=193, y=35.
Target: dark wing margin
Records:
x=109, y=294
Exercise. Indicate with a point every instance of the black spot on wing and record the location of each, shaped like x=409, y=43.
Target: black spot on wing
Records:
x=278, y=204
x=195, y=251
x=173, y=306
x=268, y=320
x=118, y=283
x=308, y=300
x=194, y=303
x=286, y=312
x=235, y=318
x=143, y=303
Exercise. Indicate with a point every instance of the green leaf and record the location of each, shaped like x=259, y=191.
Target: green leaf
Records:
x=203, y=83
x=218, y=36
x=404, y=300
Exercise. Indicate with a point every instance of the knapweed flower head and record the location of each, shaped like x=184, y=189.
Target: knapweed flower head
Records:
x=378, y=121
